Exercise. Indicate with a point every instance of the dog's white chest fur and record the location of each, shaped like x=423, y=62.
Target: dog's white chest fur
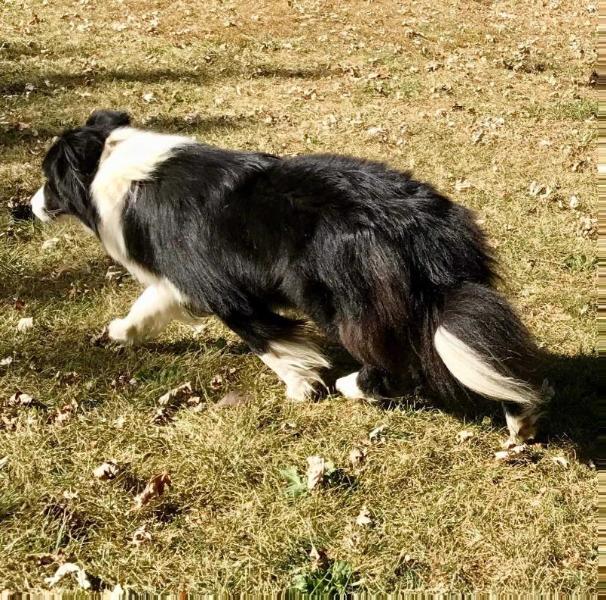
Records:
x=130, y=155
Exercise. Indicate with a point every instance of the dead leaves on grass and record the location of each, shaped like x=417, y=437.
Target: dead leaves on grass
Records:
x=154, y=489
x=357, y=456
x=64, y=413
x=66, y=569
x=317, y=470
x=520, y=454
x=173, y=400
x=464, y=435
x=321, y=473
x=318, y=473
x=107, y=471
x=185, y=396
x=141, y=536
x=11, y=408
x=233, y=399
x=364, y=518
x=21, y=399
x=561, y=461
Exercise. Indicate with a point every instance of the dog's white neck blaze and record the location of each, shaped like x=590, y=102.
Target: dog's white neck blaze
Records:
x=130, y=155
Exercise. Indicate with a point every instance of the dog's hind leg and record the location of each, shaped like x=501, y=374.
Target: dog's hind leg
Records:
x=282, y=345
x=385, y=357
x=369, y=383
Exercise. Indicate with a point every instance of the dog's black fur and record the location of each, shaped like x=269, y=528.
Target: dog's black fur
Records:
x=375, y=258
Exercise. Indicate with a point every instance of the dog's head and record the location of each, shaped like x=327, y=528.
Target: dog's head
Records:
x=70, y=166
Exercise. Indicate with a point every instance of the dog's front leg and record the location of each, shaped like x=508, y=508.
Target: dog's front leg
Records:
x=155, y=308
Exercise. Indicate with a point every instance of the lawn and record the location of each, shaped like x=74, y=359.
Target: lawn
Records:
x=495, y=104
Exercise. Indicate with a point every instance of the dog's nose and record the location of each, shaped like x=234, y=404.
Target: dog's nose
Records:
x=37, y=203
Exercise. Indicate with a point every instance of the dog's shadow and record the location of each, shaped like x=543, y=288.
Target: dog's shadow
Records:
x=570, y=415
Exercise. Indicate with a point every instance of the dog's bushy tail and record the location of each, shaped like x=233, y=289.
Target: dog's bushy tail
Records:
x=483, y=346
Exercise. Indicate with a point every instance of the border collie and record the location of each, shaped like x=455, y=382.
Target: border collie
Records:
x=394, y=271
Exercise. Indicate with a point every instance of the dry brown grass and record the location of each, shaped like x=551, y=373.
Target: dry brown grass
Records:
x=494, y=94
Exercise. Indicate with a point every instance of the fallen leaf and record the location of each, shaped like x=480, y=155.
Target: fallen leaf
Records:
x=290, y=427
x=364, y=518
x=115, y=273
x=464, y=435
x=462, y=185
x=233, y=399
x=170, y=402
x=5, y=362
x=378, y=434
x=178, y=394
x=3, y=462
x=123, y=380
x=315, y=471
x=477, y=136
x=70, y=378
x=154, y=489
x=19, y=398
x=148, y=97
x=100, y=339
x=520, y=454
x=433, y=66
x=64, y=413
x=375, y=131
x=535, y=189
x=501, y=455
x=69, y=495
x=106, y=471
x=141, y=536
x=25, y=324
x=561, y=460
x=588, y=226
x=319, y=559
x=357, y=456
x=49, y=244
x=119, y=422
x=66, y=569
x=216, y=383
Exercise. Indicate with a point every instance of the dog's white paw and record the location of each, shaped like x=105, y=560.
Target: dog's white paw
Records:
x=348, y=387
x=119, y=330
x=299, y=390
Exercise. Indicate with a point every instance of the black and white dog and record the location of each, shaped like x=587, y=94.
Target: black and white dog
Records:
x=386, y=265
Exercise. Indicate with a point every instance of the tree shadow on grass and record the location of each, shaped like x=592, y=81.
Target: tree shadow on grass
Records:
x=192, y=125
x=59, y=284
x=45, y=83
x=197, y=124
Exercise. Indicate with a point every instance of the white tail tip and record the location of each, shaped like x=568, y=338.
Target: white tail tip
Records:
x=470, y=369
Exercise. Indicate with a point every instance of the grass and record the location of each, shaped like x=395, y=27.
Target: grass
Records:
x=411, y=84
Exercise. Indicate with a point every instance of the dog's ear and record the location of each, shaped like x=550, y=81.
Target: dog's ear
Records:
x=108, y=120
